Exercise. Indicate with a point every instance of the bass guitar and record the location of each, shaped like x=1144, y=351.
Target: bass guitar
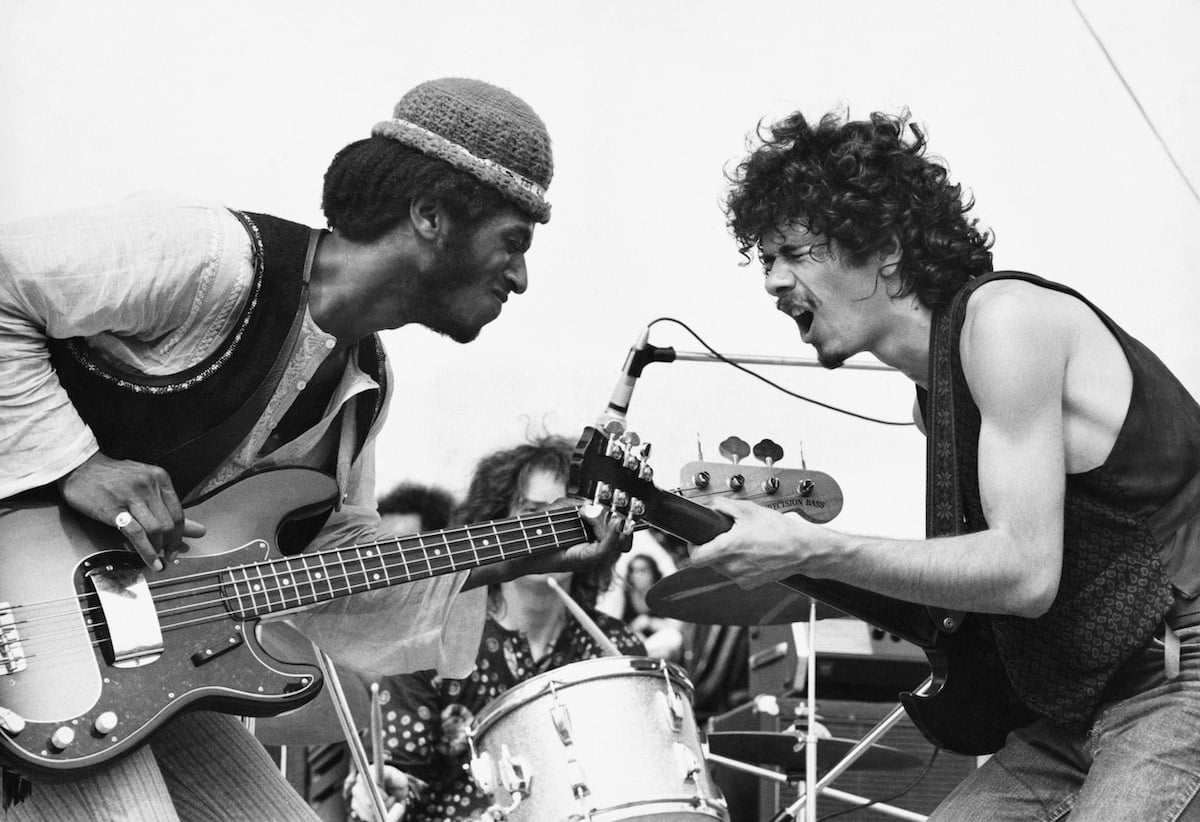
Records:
x=97, y=651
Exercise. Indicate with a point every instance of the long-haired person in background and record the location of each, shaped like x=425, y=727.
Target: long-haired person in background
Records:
x=528, y=631
x=1064, y=470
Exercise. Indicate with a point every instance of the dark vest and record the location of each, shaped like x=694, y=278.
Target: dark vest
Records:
x=191, y=421
x=1114, y=591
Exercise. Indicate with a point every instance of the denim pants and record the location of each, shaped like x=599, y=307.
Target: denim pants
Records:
x=1139, y=762
x=199, y=767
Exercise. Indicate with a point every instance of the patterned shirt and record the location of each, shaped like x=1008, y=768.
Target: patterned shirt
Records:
x=426, y=717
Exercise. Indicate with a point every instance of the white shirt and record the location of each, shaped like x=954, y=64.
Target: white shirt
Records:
x=155, y=283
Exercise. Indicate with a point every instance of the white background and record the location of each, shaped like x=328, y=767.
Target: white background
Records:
x=647, y=102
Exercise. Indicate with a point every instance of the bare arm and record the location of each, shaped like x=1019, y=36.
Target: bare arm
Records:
x=1015, y=350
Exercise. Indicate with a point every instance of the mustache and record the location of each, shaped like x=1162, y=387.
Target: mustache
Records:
x=789, y=305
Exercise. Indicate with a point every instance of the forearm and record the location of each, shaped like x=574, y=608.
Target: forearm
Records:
x=990, y=571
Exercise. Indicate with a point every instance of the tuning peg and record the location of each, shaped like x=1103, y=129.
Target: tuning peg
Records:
x=614, y=428
x=630, y=439
x=645, y=472
x=603, y=494
x=768, y=451
x=734, y=449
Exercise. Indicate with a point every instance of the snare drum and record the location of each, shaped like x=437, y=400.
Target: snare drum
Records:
x=603, y=740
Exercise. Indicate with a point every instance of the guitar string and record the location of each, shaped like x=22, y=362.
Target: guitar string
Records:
x=222, y=600
x=551, y=519
x=331, y=551
x=386, y=566
x=450, y=556
x=570, y=513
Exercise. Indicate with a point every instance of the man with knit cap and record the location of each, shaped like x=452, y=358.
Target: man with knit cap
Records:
x=159, y=348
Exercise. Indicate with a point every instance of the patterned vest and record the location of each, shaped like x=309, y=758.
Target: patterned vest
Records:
x=1114, y=590
x=190, y=422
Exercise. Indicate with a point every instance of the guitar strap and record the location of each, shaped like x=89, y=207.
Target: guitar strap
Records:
x=191, y=461
x=944, y=514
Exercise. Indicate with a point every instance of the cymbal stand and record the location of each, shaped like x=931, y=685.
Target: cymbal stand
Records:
x=821, y=786
x=358, y=753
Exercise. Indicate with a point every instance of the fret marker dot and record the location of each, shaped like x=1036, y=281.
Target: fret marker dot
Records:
x=256, y=587
x=538, y=532
x=375, y=577
x=317, y=575
x=286, y=581
x=487, y=542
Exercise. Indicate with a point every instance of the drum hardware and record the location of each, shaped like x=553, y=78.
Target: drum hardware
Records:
x=566, y=724
x=786, y=751
x=345, y=718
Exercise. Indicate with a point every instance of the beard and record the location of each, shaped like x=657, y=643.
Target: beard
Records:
x=448, y=280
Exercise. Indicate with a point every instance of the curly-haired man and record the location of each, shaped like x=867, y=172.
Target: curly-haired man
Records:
x=1063, y=476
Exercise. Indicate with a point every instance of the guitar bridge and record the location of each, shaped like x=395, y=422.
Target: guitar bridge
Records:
x=12, y=656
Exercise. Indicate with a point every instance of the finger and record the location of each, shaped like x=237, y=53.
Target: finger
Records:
x=193, y=529
x=396, y=813
x=732, y=507
x=133, y=532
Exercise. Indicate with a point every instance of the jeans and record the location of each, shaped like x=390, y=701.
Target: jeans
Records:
x=1139, y=762
x=199, y=767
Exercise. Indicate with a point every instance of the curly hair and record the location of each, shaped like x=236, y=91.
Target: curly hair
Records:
x=858, y=184
x=370, y=184
x=496, y=489
x=432, y=504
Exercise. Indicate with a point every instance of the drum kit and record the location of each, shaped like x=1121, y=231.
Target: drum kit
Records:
x=614, y=738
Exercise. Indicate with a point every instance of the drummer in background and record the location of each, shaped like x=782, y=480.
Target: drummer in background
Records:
x=528, y=632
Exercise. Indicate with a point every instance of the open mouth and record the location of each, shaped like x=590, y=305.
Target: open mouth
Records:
x=804, y=321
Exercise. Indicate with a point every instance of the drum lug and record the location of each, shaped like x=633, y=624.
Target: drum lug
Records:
x=561, y=718
x=687, y=762
x=674, y=702
x=514, y=773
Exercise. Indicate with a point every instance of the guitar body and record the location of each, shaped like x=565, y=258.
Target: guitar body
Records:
x=970, y=707
x=67, y=702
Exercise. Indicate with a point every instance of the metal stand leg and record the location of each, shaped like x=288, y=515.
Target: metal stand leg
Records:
x=822, y=786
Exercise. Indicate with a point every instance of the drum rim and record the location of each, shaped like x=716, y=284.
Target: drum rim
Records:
x=523, y=693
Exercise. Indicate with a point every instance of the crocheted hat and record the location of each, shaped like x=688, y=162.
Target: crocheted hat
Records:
x=481, y=129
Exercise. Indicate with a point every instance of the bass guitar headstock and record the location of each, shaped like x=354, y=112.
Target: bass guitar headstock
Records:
x=614, y=471
x=814, y=495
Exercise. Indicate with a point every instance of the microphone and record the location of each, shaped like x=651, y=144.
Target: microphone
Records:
x=612, y=419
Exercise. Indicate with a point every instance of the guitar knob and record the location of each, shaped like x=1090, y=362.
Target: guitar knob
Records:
x=62, y=738
x=105, y=723
x=646, y=473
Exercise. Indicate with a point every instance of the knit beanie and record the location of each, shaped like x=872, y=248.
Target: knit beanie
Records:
x=481, y=129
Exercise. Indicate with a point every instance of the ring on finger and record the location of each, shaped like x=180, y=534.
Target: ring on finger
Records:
x=123, y=520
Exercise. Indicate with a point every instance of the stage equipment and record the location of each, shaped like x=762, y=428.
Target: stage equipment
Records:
x=785, y=751
x=610, y=738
